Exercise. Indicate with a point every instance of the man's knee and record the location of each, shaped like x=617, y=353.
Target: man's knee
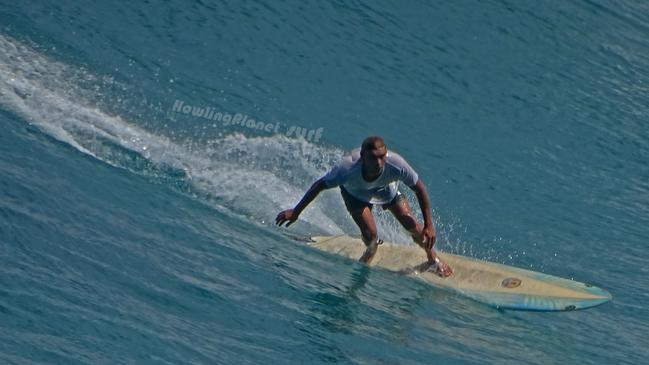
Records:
x=415, y=233
x=409, y=223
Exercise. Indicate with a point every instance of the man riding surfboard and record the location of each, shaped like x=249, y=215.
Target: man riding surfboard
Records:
x=370, y=176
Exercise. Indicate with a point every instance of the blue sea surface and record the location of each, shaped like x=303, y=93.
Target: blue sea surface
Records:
x=146, y=148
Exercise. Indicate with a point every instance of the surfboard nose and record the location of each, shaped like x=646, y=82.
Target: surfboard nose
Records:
x=603, y=295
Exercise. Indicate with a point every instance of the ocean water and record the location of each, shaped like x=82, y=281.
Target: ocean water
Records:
x=146, y=147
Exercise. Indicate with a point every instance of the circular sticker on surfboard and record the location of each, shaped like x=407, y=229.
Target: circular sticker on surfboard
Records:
x=511, y=283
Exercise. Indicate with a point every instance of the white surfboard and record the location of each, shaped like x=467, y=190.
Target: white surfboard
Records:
x=494, y=284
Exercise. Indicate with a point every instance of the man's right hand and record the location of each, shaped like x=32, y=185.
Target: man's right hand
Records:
x=288, y=215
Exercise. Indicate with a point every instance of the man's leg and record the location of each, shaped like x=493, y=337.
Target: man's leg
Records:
x=403, y=214
x=365, y=221
x=361, y=212
x=401, y=211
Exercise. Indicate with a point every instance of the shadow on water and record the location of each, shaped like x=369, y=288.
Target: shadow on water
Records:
x=339, y=311
x=334, y=312
x=349, y=315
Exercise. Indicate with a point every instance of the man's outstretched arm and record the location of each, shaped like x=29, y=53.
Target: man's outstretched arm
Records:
x=428, y=230
x=291, y=215
x=424, y=203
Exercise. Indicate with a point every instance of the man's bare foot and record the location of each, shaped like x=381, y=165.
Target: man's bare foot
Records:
x=440, y=268
x=369, y=253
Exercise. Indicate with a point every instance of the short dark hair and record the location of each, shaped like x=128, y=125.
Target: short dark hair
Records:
x=372, y=143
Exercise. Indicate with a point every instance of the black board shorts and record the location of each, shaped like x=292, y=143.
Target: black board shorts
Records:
x=352, y=203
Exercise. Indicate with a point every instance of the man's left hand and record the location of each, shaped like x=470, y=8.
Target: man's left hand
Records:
x=430, y=236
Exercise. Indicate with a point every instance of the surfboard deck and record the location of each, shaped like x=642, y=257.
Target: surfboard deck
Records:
x=498, y=285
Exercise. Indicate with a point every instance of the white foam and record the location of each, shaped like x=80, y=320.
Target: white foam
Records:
x=252, y=175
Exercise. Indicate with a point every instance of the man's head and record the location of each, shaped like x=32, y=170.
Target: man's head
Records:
x=373, y=153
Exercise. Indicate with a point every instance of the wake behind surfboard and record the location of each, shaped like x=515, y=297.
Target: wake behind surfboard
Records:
x=494, y=284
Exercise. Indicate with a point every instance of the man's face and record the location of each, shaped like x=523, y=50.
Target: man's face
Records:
x=374, y=159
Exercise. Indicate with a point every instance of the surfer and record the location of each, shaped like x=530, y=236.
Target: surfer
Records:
x=370, y=176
